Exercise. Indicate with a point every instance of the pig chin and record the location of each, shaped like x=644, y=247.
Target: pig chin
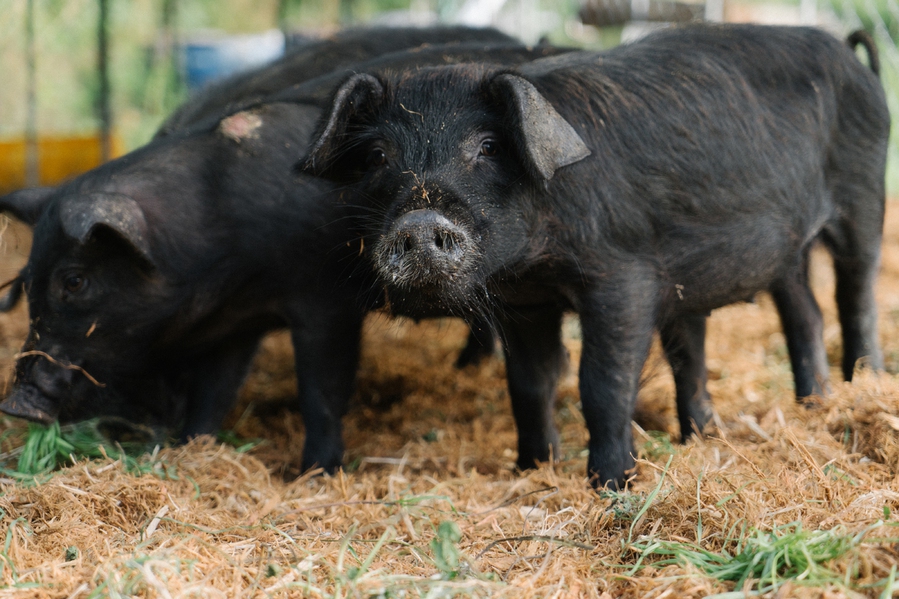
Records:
x=426, y=302
x=421, y=290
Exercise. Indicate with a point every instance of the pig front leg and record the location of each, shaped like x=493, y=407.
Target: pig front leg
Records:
x=535, y=358
x=683, y=339
x=326, y=348
x=617, y=322
x=216, y=377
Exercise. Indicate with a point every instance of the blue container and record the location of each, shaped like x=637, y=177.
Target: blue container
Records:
x=207, y=59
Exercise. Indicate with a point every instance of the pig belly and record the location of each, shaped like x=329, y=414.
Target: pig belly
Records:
x=726, y=266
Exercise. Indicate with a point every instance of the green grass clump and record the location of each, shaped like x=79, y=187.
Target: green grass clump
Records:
x=44, y=449
x=625, y=505
x=766, y=560
x=49, y=447
x=445, y=547
x=658, y=445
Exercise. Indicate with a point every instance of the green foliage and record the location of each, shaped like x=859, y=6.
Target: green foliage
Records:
x=49, y=447
x=44, y=448
x=625, y=505
x=5, y=559
x=890, y=585
x=872, y=14
x=240, y=445
x=446, y=550
x=763, y=561
x=658, y=445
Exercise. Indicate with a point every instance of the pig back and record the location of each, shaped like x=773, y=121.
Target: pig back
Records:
x=719, y=142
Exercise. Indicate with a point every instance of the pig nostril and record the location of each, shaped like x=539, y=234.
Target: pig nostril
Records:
x=445, y=241
x=408, y=244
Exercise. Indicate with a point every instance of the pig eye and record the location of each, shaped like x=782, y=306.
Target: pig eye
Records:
x=377, y=157
x=74, y=283
x=489, y=148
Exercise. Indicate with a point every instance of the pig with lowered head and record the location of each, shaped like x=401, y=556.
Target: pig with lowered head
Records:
x=641, y=187
x=152, y=278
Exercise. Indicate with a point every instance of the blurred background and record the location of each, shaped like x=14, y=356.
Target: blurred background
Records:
x=83, y=80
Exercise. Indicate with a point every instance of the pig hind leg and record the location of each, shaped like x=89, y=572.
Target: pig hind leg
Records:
x=854, y=233
x=803, y=328
x=854, y=243
x=683, y=339
x=535, y=358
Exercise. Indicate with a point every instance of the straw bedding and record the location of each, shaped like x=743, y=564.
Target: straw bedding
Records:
x=430, y=505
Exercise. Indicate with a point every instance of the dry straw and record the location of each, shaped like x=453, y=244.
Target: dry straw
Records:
x=778, y=500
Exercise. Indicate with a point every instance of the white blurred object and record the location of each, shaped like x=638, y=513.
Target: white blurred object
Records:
x=634, y=30
x=479, y=13
x=714, y=10
x=419, y=14
x=520, y=18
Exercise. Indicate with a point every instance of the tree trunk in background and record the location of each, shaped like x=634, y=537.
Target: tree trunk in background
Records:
x=346, y=12
x=283, y=8
x=32, y=158
x=104, y=113
x=169, y=24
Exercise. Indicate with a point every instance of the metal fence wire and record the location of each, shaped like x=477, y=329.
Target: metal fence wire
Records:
x=143, y=88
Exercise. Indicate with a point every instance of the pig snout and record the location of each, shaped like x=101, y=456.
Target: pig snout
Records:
x=41, y=385
x=28, y=402
x=423, y=247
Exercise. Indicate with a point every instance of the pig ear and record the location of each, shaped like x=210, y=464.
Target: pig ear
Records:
x=83, y=216
x=27, y=205
x=357, y=95
x=549, y=141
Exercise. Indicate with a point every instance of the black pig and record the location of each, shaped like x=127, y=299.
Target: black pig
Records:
x=341, y=50
x=641, y=187
x=151, y=279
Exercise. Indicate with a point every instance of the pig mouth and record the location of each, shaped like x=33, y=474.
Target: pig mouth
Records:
x=30, y=403
x=460, y=297
x=419, y=304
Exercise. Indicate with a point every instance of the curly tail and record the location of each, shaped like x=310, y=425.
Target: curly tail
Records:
x=864, y=38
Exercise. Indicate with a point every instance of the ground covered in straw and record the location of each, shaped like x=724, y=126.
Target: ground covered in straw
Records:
x=778, y=499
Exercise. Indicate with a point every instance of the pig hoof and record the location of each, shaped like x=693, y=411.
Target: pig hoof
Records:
x=698, y=424
x=328, y=465
x=811, y=402
x=610, y=470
